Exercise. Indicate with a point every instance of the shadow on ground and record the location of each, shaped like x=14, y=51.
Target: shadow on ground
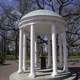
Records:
x=75, y=70
x=5, y=64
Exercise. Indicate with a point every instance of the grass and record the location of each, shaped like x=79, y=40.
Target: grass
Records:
x=70, y=59
x=10, y=57
x=74, y=59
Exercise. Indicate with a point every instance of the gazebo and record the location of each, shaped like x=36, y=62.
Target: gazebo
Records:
x=36, y=23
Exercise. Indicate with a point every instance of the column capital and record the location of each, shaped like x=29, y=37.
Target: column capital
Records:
x=53, y=29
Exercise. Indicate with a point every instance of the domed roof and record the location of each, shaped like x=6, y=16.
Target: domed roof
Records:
x=41, y=13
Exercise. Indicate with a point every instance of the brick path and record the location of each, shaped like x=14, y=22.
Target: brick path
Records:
x=7, y=69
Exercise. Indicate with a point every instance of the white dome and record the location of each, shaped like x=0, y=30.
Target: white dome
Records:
x=40, y=13
x=43, y=19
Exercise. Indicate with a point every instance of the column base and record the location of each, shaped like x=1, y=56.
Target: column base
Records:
x=49, y=66
x=36, y=66
x=24, y=69
x=31, y=75
x=19, y=71
x=65, y=70
x=54, y=74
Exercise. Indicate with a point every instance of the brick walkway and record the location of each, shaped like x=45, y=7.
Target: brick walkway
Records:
x=7, y=69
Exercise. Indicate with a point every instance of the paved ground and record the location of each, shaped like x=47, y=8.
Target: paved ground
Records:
x=11, y=66
x=7, y=69
x=75, y=68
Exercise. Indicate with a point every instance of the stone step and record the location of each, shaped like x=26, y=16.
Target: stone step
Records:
x=41, y=76
x=71, y=78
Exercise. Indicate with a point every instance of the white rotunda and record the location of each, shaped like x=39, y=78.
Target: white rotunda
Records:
x=31, y=25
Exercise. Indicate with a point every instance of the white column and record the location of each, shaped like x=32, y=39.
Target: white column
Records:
x=32, y=52
x=65, y=52
x=49, y=52
x=35, y=53
x=20, y=50
x=24, y=52
x=60, y=50
x=54, y=60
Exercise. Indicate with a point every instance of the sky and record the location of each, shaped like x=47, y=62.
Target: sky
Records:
x=8, y=3
x=11, y=3
x=72, y=7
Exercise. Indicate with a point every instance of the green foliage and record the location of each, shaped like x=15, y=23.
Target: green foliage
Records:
x=10, y=57
x=75, y=54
